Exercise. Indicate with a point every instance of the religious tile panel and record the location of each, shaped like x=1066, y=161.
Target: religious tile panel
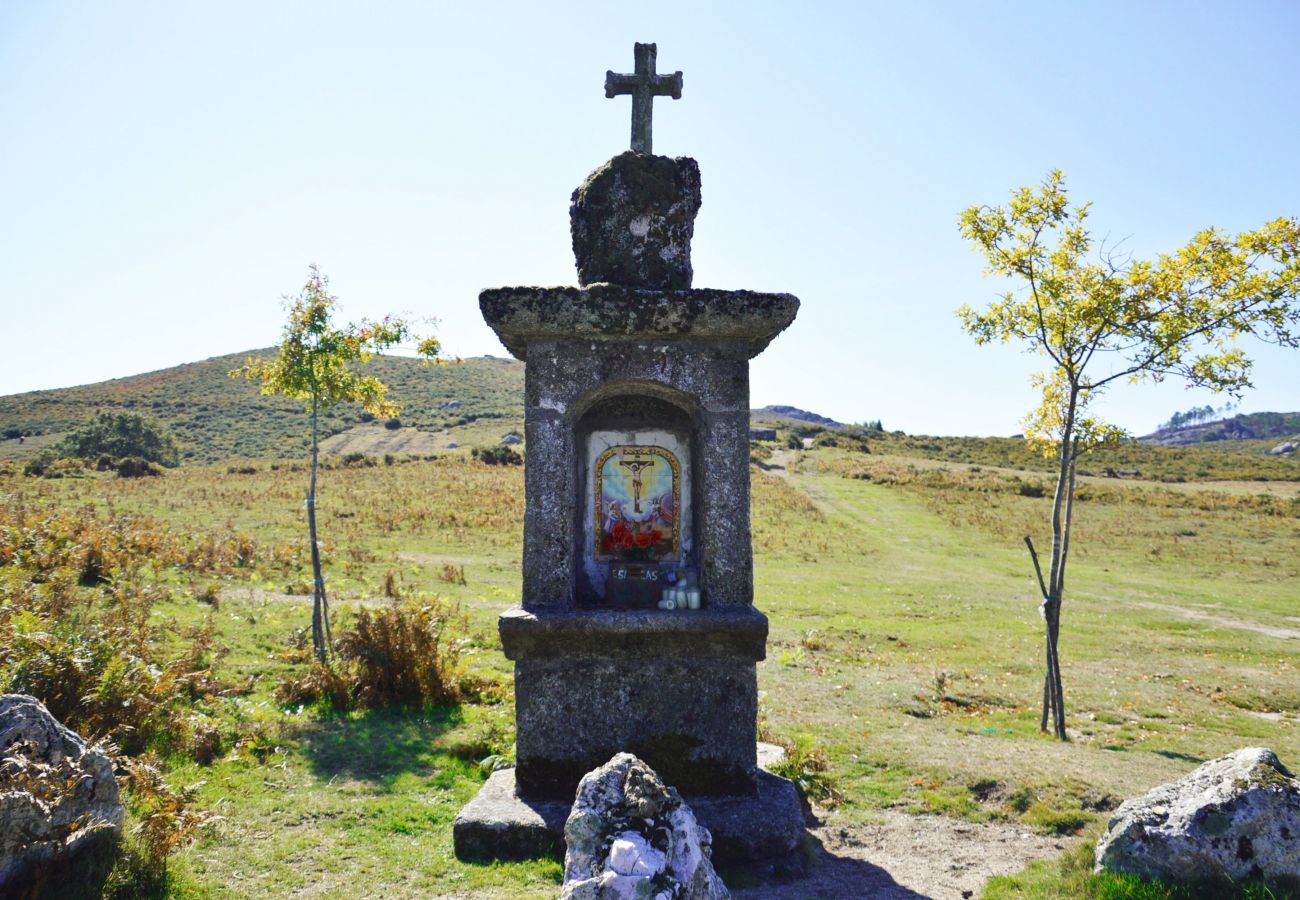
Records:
x=638, y=493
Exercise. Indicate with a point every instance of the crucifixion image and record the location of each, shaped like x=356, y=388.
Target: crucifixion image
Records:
x=636, y=464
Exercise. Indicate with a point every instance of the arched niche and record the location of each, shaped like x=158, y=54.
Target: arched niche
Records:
x=637, y=451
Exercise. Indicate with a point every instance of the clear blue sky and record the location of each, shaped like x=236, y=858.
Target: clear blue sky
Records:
x=168, y=170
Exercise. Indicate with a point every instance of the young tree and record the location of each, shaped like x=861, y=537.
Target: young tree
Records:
x=315, y=364
x=1099, y=319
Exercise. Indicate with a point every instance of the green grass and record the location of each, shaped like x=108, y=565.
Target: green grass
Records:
x=904, y=656
x=1070, y=877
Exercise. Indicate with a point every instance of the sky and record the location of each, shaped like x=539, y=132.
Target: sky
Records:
x=168, y=171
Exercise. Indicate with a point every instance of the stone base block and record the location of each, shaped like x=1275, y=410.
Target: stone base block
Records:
x=498, y=824
x=677, y=690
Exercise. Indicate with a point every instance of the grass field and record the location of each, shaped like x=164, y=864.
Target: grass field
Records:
x=905, y=647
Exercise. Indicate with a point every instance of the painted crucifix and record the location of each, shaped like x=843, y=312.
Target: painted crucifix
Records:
x=644, y=85
x=636, y=464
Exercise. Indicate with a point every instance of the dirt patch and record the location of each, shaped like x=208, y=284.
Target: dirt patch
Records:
x=906, y=857
x=1224, y=621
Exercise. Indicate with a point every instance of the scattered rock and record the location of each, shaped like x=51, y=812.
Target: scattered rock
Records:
x=511, y=438
x=451, y=404
x=1233, y=817
x=1285, y=448
x=60, y=815
x=632, y=221
x=629, y=836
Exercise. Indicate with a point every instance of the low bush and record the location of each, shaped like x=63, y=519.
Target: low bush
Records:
x=497, y=456
x=406, y=654
x=808, y=767
x=48, y=464
x=167, y=822
x=136, y=467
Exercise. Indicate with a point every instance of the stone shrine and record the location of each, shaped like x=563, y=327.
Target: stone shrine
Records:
x=637, y=631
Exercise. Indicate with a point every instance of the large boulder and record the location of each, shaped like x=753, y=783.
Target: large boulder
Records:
x=632, y=221
x=629, y=837
x=1233, y=817
x=60, y=815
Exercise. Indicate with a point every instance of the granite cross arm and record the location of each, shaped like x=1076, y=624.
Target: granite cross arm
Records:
x=644, y=85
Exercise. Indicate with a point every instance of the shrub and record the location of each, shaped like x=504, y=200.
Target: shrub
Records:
x=807, y=767
x=168, y=823
x=393, y=424
x=119, y=435
x=136, y=467
x=497, y=456
x=98, y=656
x=406, y=654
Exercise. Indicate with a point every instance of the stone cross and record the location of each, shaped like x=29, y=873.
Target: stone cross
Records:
x=644, y=86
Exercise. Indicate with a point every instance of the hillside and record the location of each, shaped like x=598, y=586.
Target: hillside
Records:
x=479, y=400
x=1247, y=427
x=215, y=417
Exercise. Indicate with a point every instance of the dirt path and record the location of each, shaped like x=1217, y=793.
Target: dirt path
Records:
x=902, y=857
x=1224, y=621
x=906, y=857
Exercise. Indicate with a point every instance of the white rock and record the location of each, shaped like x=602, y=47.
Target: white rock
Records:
x=631, y=854
x=621, y=813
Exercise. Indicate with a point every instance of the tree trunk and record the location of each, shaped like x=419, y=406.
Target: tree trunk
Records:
x=320, y=629
x=1054, y=589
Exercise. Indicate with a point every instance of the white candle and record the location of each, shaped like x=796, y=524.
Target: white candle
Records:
x=693, y=598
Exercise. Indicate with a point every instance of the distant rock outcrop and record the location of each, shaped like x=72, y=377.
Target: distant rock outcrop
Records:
x=794, y=412
x=1234, y=817
x=1242, y=427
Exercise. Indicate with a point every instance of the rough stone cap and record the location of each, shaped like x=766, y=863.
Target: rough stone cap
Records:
x=632, y=221
x=607, y=312
x=534, y=634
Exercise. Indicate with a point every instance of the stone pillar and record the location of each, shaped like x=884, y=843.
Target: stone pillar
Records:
x=593, y=678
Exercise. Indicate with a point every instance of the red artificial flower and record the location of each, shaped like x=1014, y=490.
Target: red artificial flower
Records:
x=643, y=541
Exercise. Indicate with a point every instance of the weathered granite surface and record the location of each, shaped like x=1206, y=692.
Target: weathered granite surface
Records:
x=630, y=836
x=725, y=631
x=499, y=824
x=632, y=220
x=60, y=814
x=1231, y=818
x=567, y=380
x=610, y=312
x=693, y=718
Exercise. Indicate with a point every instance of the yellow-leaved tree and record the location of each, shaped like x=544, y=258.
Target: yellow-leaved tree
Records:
x=316, y=363
x=1098, y=318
